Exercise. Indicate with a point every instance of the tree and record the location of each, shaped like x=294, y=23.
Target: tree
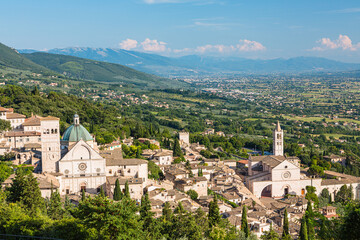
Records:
x=270, y=235
x=214, y=213
x=25, y=189
x=4, y=125
x=200, y=172
x=285, y=232
x=179, y=209
x=309, y=211
x=110, y=220
x=55, y=209
x=177, y=150
x=350, y=227
x=244, y=222
x=316, y=170
x=344, y=194
x=83, y=196
x=193, y=194
x=117, y=191
x=5, y=171
x=311, y=195
x=102, y=193
x=303, y=230
x=145, y=211
x=166, y=212
x=35, y=91
x=126, y=190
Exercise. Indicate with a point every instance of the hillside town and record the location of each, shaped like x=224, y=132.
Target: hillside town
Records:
x=73, y=164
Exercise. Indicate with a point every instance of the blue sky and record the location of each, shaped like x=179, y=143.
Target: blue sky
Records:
x=242, y=28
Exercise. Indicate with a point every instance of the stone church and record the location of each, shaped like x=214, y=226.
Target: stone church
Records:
x=73, y=163
x=278, y=175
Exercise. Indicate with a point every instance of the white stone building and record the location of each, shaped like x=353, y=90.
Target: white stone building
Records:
x=277, y=175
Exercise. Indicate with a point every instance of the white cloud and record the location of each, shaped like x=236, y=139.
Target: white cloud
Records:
x=153, y=45
x=249, y=46
x=343, y=42
x=244, y=45
x=128, y=44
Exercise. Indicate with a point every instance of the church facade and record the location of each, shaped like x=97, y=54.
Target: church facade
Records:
x=278, y=175
x=74, y=162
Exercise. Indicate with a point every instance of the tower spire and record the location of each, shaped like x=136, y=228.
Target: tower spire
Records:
x=278, y=140
x=278, y=128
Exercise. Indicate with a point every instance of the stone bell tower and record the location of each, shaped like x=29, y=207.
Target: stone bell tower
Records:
x=278, y=141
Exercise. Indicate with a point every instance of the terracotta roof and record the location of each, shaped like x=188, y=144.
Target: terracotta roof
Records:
x=122, y=180
x=49, y=118
x=340, y=178
x=2, y=109
x=163, y=153
x=22, y=134
x=32, y=145
x=32, y=121
x=243, y=161
x=123, y=162
x=14, y=116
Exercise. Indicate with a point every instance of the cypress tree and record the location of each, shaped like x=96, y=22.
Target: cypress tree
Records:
x=285, y=225
x=127, y=191
x=214, y=213
x=102, y=193
x=179, y=208
x=200, y=172
x=244, y=222
x=55, y=209
x=138, y=152
x=177, y=149
x=303, y=230
x=166, y=212
x=309, y=211
x=145, y=211
x=83, y=196
x=309, y=218
x=117, y=191
x=68, y=205
x=270, y=235
x=310, y=228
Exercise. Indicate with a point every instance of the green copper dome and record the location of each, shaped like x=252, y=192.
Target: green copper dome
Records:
x=76, y=132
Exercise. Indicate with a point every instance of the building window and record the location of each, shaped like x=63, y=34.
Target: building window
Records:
x=27, y=139
x=285, y=166
x=67, y=191
x=110, y=171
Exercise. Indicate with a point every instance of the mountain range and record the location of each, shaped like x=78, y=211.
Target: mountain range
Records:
x=195, y=64
x=81, y=69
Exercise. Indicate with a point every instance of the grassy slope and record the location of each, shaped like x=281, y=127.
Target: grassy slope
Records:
x=99, y=71
x=12, y=59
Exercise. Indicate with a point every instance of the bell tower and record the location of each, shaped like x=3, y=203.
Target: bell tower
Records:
x=278, y=141
x=50, y=144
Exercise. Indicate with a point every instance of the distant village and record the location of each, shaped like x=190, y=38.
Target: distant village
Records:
x=73, y=163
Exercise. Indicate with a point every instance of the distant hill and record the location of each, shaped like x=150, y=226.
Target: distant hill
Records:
x=156, y=64
x=81, y=68
x=10, y=58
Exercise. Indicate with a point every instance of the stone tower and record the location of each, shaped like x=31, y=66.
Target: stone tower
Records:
x=278, y=141
x=50, y=144
x=184, y=138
